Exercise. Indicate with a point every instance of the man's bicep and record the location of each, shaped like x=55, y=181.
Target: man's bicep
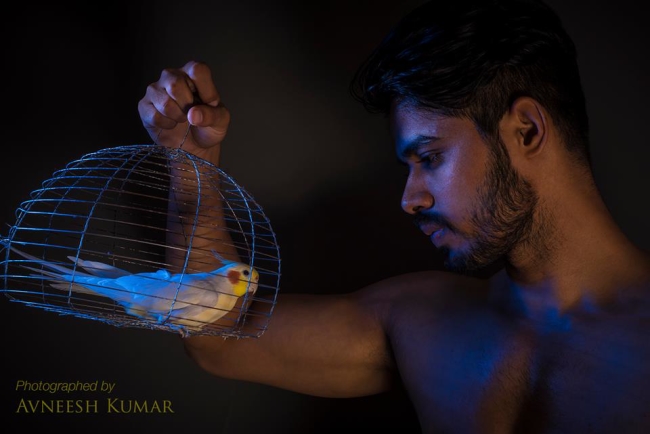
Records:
x=323, y=345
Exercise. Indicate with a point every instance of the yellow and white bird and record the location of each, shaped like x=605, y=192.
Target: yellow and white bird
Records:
x=190, y=300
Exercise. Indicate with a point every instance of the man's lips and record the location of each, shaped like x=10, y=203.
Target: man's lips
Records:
x=430, y=229
x=434, y=232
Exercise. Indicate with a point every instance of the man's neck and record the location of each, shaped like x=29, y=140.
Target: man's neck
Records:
x=582, y=259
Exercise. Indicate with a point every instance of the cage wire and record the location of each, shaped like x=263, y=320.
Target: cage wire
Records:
x=145, y=236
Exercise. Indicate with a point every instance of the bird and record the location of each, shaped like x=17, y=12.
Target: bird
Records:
x=185, y=301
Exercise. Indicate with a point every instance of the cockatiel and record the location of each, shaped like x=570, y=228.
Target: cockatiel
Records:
x=189, y=300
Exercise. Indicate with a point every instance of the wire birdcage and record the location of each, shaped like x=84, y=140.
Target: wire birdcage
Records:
x=145, y=236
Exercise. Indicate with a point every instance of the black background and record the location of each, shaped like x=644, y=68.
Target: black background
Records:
x=322, y=168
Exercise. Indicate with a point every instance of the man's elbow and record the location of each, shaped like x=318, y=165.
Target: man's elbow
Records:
x=205, y=352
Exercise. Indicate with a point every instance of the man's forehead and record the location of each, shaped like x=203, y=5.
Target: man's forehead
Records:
x=409, y=124
x=405, y=117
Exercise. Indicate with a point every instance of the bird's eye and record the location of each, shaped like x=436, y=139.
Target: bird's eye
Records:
x=246, y=273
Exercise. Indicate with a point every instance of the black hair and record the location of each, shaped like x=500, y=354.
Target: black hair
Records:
x=473, y=58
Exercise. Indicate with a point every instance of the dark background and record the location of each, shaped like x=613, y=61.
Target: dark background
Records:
x=321, y=167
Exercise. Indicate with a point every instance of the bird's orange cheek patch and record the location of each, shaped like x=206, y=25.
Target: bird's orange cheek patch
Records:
x=234, y=276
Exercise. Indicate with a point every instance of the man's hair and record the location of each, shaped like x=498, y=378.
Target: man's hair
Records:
x=472, y=59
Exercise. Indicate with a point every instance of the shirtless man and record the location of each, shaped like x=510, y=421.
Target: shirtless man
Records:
x=541, y=323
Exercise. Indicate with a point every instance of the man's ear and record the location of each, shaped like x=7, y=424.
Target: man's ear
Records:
x=524, y=127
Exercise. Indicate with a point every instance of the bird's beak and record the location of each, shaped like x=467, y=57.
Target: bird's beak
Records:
x=252, y=284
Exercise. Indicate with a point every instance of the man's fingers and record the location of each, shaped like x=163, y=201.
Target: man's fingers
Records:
x=152, y=117
x=201, y=75
x=181, y=95
x=175, y=85
x=216, y=118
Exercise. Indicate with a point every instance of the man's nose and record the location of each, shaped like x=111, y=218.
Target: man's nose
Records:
x=416, y=196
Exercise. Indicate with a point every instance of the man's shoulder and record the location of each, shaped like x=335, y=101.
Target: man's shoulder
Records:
x=434, y=290
x=628, y=311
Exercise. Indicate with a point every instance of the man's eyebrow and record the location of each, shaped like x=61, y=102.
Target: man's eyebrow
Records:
x=410, y=148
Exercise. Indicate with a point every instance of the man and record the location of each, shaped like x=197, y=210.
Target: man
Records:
x=539, y=326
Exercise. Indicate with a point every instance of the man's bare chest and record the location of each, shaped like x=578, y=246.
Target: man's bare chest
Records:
x=475, y=371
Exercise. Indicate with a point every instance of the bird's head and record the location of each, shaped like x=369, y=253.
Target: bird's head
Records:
x=243, y=278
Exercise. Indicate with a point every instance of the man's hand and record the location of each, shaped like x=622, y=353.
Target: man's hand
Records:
x=181, y=99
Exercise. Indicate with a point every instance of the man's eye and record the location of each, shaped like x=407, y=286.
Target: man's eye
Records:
x=431, y=158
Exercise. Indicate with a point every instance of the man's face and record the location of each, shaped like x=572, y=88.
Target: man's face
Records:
x=462, y=191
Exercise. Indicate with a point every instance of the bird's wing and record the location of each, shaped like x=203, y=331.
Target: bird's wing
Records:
x=161, y=291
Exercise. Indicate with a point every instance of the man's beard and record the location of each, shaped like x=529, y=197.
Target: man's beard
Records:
x=503, y=218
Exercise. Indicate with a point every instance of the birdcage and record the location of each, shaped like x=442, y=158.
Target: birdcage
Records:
x=145, y=236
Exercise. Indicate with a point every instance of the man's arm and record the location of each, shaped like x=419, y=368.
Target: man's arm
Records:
x=183, y=109
x=322, y=345
x=333, y=346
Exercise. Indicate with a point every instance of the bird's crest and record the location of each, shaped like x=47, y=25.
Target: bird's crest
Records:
x=221, y=259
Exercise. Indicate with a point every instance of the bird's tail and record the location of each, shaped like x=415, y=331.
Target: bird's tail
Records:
x=61, y=282
x=62, y=278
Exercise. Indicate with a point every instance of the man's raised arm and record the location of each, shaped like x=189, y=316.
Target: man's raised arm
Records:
x=322, y=345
